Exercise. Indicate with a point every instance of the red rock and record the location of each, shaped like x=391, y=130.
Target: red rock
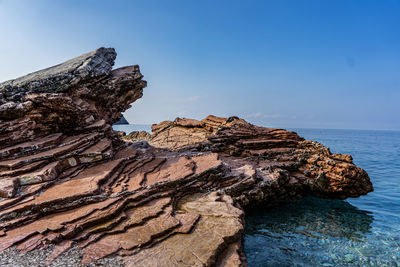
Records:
x=136, y=136
x=66, y=178
x=170, y=170
x=130, y=239
x=26, y=147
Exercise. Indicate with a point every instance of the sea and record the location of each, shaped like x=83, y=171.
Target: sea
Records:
x=362, y=231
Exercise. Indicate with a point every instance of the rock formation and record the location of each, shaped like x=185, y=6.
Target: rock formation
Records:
x=136, y=136
x=68, y=180
x=121, y=121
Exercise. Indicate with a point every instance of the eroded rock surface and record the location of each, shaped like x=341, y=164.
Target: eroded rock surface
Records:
x=67, y=180
x=136, y=136
x=272, y=157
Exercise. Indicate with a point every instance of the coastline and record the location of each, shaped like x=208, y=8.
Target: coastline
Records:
x=70, y=180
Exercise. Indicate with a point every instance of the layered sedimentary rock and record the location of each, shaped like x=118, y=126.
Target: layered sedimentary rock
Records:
x=68, y=180
x=272, y=155
x=136, y=136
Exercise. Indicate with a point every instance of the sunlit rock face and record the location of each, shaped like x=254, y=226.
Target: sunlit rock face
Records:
x=275, y=158
x=67, y=180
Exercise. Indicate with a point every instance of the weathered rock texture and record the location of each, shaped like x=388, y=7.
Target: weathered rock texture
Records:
x=136, y=136
x=67, y=179
x=272, y=156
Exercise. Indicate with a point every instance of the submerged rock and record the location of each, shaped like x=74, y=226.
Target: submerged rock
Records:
x=67, y=180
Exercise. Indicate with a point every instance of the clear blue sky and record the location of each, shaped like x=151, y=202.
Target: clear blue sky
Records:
x=320, y=64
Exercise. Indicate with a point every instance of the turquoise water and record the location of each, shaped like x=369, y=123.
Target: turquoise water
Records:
x=363, y=231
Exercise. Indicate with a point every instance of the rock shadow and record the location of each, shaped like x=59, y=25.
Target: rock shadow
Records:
x=312, y=217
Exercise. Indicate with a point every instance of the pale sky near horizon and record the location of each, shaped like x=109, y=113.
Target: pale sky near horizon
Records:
x=287, y=63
